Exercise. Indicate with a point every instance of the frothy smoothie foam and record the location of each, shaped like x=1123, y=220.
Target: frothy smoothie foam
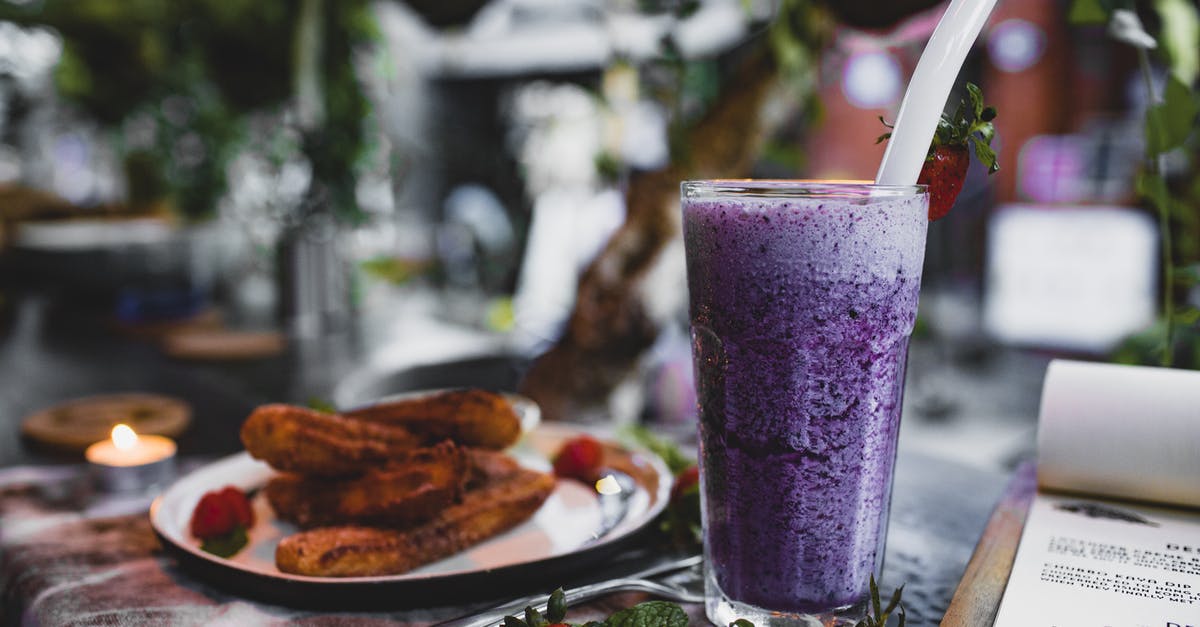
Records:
x=801, y=309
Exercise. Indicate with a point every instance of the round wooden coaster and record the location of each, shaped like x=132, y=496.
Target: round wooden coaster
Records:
x=77, y=423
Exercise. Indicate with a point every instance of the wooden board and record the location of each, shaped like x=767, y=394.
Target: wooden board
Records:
x=977, y=598
x=75, y=424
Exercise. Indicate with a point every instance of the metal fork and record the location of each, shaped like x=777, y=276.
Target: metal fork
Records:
x=637, y=582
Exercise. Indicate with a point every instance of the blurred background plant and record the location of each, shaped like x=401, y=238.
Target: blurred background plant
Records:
x=507, y=170
x=173, y=83
x=1169, y=181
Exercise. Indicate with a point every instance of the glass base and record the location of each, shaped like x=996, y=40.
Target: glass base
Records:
x=722, y=610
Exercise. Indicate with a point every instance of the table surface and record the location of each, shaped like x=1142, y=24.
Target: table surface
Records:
x=48, y=354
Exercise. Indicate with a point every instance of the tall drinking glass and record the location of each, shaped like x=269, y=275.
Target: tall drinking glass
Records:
x=803, y=296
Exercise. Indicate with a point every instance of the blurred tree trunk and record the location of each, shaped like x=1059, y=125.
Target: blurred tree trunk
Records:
x=609, y=328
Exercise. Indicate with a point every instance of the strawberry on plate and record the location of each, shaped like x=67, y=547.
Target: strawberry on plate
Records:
x=579, y=458
x=221, y=520
x=946, y=163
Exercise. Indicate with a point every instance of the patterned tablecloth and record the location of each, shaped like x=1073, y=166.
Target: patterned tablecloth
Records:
x=68, y=556
x=72, y=557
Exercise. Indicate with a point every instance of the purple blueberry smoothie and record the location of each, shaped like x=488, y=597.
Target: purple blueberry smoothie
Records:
x=803, y=296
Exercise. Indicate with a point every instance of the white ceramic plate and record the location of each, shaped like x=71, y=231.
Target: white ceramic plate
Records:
x=568, y=532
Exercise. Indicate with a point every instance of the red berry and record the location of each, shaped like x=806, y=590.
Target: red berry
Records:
x=945, y=167
x=212, y=517
x=579, y=458
x=944, y=172
x=237, y=501
x=684, y=482
x=220, y=512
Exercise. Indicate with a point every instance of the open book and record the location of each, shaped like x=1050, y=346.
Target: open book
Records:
x=1112, y=537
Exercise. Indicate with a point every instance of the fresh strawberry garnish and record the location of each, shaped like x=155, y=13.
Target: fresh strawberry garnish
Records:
x=579, y=458
x=237, y=501
x=213, y=517
x=945, y=166
x=944, y=171
x=221, y=520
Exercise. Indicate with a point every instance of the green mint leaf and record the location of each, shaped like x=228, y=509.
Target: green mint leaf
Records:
x=976, y=96
x=1087, y=12
x=741, y=622
x=513, y=621
x=227, y=545
x=556, y=609
x=534, y=618
x=649, y=614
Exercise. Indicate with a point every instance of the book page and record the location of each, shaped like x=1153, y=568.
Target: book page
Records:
x=1129, y=432
x=1087, y=562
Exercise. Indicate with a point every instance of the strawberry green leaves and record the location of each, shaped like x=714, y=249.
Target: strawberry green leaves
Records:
x=971, y=123
x=946, y=163
x=980, y=129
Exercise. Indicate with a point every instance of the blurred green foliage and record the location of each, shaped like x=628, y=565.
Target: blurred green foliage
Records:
x=1170, y=127
x=197, y=68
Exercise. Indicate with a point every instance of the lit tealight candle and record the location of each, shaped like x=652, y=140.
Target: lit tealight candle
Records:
x=130, y=462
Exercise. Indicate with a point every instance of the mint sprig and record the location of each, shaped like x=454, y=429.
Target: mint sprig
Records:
x=650, y=613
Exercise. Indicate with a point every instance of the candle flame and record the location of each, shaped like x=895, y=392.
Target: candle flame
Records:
x=608, y=485
x=123, y=437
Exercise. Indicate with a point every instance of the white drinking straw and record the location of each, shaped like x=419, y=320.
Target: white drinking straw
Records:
x=929, y=88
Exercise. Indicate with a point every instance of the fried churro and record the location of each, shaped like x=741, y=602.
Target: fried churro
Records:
x=499, y=504
x=470, y=417
x=297, y=439
x=405, y=492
